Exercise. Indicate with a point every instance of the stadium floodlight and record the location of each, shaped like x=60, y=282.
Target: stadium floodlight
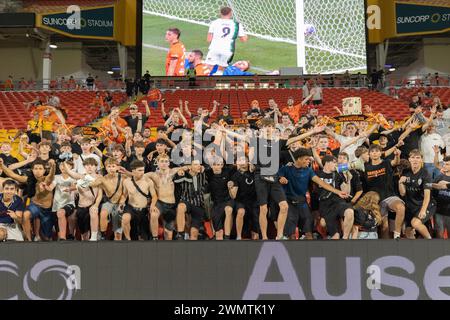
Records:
x=53, y=46
x=329, y=35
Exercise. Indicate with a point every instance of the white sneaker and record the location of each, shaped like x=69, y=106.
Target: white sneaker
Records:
x=37, y=239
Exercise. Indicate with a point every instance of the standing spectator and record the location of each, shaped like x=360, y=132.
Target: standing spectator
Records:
x=374, y=78
x=225, y=116
x=361, y=80
x=136, y=120
x=108, y=101
x=72, y=83
x=54, y=101
x=272, y=110
x=293, y=111
x=428, y=141
x=147, y=77
x=130, y=84
x=9, y=85
x=115, y=126
x=305, y=91
x=317, y=97
x=347, y=79
x=90, y=82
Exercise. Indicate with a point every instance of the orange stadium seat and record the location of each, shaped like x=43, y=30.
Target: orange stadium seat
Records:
x=239, y=101
x=13, y=114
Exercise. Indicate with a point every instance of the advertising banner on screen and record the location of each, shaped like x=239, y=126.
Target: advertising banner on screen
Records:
x=92, y=23
x=420, y=19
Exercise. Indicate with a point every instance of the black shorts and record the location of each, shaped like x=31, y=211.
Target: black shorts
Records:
x=197, y=214
x=331, y=210
x=69, y=209
x=140, y=224
x=83, y=219
x=298, y=212
x=413, y=212
x=317, y=102
x=218, y=214
x=251, y=214
x=168, y=212
x=266, y=191
x=314, y=201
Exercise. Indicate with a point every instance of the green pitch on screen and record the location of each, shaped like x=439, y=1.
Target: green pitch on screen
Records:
x=263, y=54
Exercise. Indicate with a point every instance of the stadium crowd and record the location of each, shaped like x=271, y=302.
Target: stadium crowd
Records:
x=278, y=172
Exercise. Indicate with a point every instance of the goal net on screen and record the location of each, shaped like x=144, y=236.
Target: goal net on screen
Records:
x=334, y=39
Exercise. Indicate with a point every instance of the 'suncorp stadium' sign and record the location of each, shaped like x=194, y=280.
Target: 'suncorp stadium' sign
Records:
x=97, y=23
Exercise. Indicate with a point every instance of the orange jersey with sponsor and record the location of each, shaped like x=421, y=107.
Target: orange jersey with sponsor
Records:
x=202, y=70
x=177, y=52
x=293, y=112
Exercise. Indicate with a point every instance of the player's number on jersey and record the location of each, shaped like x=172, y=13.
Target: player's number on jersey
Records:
x=226, y=31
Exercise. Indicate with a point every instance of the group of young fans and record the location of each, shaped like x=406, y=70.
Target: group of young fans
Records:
x=282, y=173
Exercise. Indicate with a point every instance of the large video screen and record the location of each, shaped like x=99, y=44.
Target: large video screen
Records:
x=243, y=37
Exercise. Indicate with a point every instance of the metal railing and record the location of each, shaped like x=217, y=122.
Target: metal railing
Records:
x=65, y=85
x=246, y=82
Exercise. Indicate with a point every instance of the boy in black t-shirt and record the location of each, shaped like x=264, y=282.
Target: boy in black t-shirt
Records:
x=222, y=213
x=351, y=177
x=265, y=154
x=242, y=190
x=332, y=206
x=441, y=192
x=378, y=177
x=415, y=186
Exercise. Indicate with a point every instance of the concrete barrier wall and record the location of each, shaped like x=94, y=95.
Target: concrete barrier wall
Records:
x=226, y=270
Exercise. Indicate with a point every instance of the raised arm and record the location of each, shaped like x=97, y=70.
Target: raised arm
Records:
x=163, y=110
x=313, y=91
x=317, y=157
x=305, y=135
x=338, y=110
x=214, y=109
x=51, y=175
x=147, y=109
x=23, y=163
x=186, y=108
x=168, y=120
x=182, y=117
x=71, y=173
x=12, y=174
x=397, y=159
x=97, y=182
x=429, y=120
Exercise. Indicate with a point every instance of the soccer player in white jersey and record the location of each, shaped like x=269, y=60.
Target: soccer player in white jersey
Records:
x=222, y=37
